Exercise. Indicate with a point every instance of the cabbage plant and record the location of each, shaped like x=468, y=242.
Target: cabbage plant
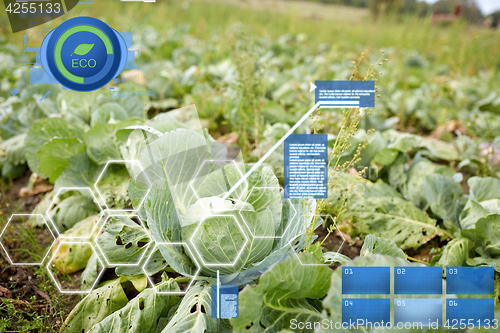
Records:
x=185, y=173
x=178, y=193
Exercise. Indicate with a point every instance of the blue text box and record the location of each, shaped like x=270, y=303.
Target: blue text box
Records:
x=306, y=162
x=228, y=302
x=470, y=280
x=366, y=312
x=419, y=312
x=467, y=311
x=366, y=280
x=418, y=280
x=345, y=93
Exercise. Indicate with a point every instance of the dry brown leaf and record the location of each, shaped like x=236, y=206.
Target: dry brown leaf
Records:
x=231, y=138
x=41, y=188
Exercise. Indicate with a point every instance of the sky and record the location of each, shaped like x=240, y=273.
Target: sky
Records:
x=486, y=6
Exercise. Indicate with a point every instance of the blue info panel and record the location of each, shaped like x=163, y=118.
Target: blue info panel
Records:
x=345, y=93
x=228, y=302
x=470, y=280
x=418, y=312
x=470, y=311
x=366, y=280
x=418, y=280
x=306, y=163
x=364, y=312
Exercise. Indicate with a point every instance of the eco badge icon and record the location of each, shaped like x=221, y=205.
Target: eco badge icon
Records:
x=84, y=54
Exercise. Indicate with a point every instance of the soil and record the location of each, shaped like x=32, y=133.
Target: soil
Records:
x=22, y=285
x=428, y=250
x=11, y=202
x=338, y=242
x=19, y=284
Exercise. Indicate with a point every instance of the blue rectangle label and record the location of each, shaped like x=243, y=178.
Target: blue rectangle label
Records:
x=40, y=76
x=470, y=311
x=418, y=312
x=418, y=280
x=225, y=302
x=470, y=280
x=363, y=312
x=366, y=280
x=355, y=94
x=306, y=162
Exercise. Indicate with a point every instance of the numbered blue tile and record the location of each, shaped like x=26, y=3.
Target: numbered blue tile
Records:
x=366, y=280
x=470, y=312
x=418, y=312
x=418, y=280
x=470, y=280
x=363, y=312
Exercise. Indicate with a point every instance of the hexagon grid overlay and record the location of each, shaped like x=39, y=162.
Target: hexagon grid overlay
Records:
x=138, y=169
x=54, y=276
x=64, y=190
x=336, y=252
x=239, y=252
x=145, y=248
x=148, y=275
x=206, y=170
x=5, y=248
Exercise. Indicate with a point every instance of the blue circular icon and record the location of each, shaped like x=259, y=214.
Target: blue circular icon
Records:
x=84, y=54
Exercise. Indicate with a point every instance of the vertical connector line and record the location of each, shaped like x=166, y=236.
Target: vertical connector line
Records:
x=218, y=295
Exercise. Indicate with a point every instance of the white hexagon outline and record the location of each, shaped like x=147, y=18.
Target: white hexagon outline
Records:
x=171, y=292
x=269, y=237
x=74, y=291
x=54, y=200
x=145, y=250
x=31, y=263
x=218, y=264
x=102, y=173
x=212, y=160
x=336, y=253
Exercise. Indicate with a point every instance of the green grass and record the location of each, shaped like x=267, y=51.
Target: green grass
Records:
x=466, y=48
x=21, y=315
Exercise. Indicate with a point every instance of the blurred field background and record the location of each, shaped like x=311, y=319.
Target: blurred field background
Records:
x=463, y=44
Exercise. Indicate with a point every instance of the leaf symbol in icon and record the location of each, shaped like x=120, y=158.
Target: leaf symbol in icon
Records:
x=82, y=49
